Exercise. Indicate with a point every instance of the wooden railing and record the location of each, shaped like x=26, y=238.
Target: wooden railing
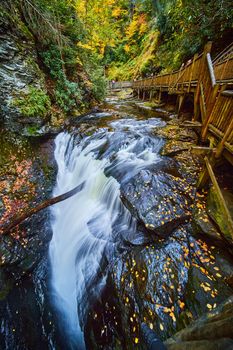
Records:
x=211, y=84
x=186, y=75
x=118, y=85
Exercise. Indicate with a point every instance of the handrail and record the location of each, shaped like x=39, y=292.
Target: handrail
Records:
x=222, y=53
x=211, y=70
x=207, y=80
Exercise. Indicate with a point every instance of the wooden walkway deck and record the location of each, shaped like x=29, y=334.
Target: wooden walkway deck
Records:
x=211, y=85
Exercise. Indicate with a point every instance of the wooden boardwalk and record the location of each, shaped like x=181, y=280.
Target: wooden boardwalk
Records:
x=210, y=84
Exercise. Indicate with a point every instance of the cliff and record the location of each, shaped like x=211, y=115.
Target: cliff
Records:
x=40, y=82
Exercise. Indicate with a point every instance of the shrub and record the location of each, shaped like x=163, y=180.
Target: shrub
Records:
x=35, y=103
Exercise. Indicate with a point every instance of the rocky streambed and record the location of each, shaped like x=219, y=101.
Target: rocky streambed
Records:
x=134, y=245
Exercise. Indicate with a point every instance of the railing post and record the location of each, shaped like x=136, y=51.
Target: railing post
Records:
x=215, y=97
x=181, y=98
x=191, y=71
x=207, y=49
x=221, y=144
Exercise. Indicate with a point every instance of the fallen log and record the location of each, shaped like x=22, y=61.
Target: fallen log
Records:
x=5, y=229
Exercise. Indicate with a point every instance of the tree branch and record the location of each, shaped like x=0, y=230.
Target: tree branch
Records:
x=5, y=229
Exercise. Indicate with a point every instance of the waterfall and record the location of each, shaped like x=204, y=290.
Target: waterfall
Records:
x=88, y=226
x=82, y=226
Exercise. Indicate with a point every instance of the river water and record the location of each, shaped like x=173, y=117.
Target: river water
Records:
x=95, y=220
x=103, y=275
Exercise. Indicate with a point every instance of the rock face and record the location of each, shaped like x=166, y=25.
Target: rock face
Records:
x=213, y=331
x=23, y=184
x=214, y=210
x=167, y=285
x=160, y=201
x=19, y=70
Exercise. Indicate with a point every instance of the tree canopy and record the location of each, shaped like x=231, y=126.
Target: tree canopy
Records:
x=135, y=37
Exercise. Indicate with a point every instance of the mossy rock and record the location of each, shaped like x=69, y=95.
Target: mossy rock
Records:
x=175, y=132
x=215, y=210
x=174, y=147
x=202, y=225
x=34, y=103
x=210, y=332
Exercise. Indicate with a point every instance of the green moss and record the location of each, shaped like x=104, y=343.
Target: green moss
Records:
x=32, y=130
x=217, y=212
x=25, y=30
x=35, y=103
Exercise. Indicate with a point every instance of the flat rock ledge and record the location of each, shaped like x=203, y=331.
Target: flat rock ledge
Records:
x=160, y=201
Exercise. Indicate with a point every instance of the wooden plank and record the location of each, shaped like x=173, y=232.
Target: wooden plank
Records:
x=220, y=146
x=203, y=64
x=215, y=131
x=213, y=104
x=219, y=135
x=228, y=155
x=209, y=112
x=229, y=147
x=228, y=93
x=191, y=71
x=203, y=105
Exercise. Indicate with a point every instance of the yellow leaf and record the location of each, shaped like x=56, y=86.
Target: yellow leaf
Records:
x=172, y=316
x=181, y=304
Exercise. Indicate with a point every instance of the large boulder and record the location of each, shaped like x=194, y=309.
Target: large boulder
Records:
x=167, y=285
x=160, y=201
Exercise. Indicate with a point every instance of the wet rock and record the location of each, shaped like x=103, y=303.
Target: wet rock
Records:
x=203, y=225
x=215, y=211
x=226, y=266
x=212, y=331
x=167, y=285
x=5, y=284
x=27, y=183
x=224, y=343
x=24, y=250
x=149, y=283
x=160, y=201
x=39, y=130
x=173, y=147
x=189, y=166
x=173, y=131
x=178, y=145
x=86, y=130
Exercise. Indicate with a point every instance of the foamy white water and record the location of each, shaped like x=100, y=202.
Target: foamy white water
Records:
x=85, y=224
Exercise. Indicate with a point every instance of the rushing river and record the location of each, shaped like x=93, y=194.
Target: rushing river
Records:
x=105, y=272
x=94, y=221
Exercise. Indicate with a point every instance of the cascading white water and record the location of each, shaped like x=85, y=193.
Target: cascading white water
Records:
x=83, y=225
